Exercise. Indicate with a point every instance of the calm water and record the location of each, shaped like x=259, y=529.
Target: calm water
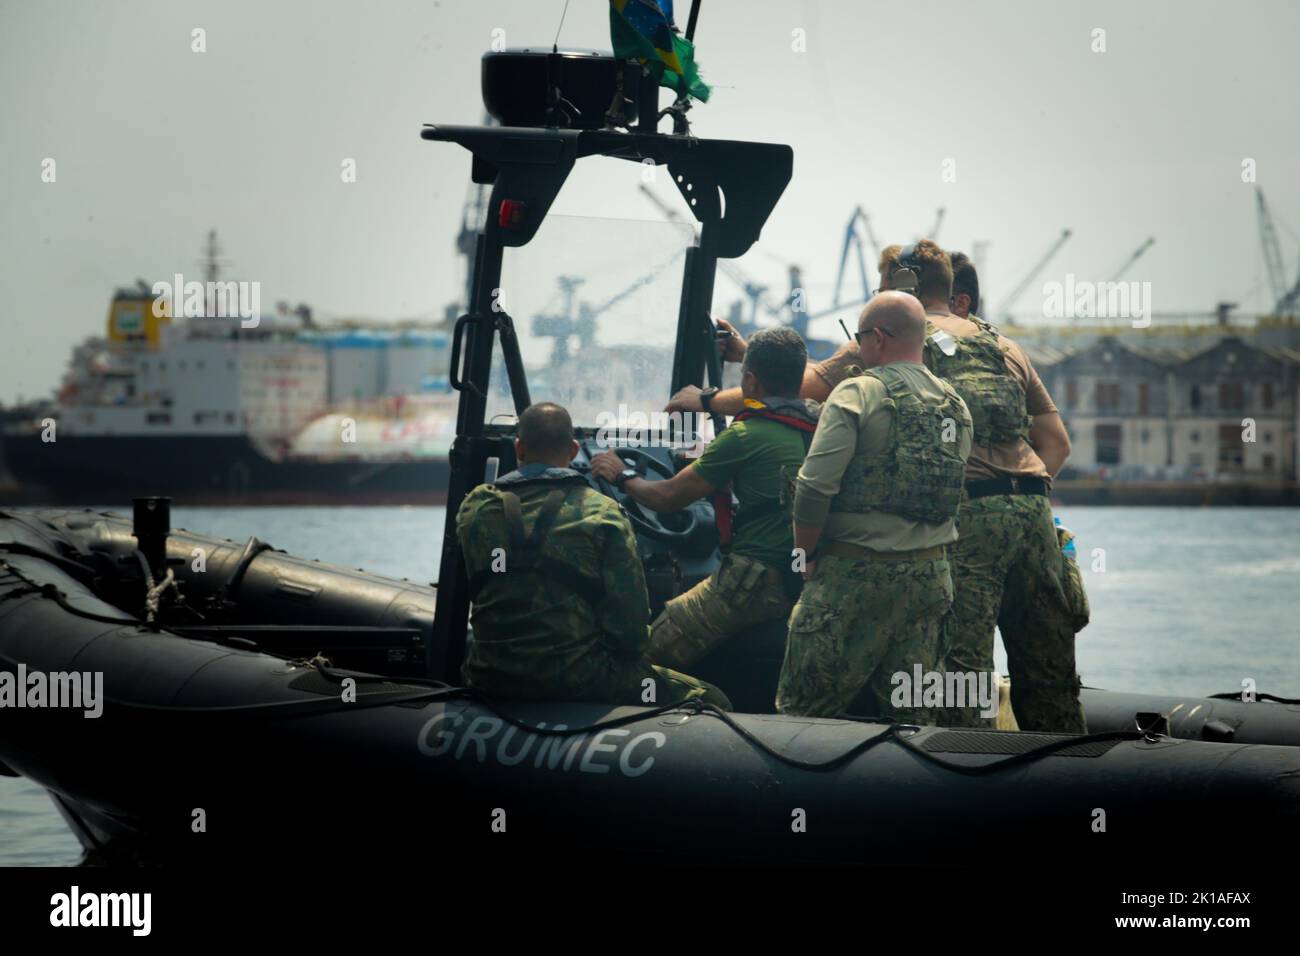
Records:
x=1190, y=602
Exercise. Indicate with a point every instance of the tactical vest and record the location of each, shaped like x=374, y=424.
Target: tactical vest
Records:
x=977, y=369
x=524, y=562
x=919, y=475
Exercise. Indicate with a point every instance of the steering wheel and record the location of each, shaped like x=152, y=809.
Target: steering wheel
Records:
x=673, y=528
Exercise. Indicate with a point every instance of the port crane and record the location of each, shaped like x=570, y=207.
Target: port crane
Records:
x=853, y=240
x=754, y=292
x=564, y=324
x=1034, y=273
x=1134, y=257
x=933, y=234
x=1286, y=299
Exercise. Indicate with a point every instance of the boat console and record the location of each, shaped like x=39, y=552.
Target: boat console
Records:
x=627, y=355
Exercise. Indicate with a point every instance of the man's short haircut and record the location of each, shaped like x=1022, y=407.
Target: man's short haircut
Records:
x=935, y=281
x=777, y=357
x=545, y=429
x=964, y=279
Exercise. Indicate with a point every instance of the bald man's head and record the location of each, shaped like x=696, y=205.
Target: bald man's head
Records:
x=545, y=434
x=899, y=315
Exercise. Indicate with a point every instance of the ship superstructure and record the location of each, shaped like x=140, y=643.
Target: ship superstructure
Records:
x=206, y=408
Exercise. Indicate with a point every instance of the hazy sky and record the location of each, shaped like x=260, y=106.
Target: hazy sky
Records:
x=155, y=144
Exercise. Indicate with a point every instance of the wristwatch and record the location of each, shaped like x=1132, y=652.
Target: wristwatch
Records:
x=706, y=398
x=624, y=475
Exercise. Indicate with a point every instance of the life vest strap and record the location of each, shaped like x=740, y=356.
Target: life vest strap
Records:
x=526, y=551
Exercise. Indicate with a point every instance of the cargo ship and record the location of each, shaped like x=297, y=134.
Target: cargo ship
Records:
x=211, y=412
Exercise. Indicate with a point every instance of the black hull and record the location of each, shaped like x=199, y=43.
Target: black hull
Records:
x=217, y=470
x=266, y=746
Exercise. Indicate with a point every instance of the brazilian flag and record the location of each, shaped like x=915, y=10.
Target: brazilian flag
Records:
x=641, y=30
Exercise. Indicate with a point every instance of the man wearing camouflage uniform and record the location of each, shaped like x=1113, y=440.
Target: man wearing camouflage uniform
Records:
x=875, y=504
x=758, y=455
x=1008, y=569
x=559, y=595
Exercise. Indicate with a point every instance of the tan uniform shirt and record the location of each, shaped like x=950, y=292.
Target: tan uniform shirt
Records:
x=986, y=461
x=855, y=416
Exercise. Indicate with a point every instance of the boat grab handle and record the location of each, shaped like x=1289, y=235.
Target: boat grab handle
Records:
x=457, y=336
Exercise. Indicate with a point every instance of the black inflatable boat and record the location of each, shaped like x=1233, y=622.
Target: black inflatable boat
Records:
x=227, y=731
x=257, y=703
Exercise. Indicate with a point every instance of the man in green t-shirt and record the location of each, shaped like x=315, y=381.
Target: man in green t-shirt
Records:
x=759, y=456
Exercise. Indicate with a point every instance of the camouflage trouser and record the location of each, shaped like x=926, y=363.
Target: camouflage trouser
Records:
x=1008, y=571
x=858, y=622
x=604, y=678
x=625, y=682
x=673, y=687
x=740, y=593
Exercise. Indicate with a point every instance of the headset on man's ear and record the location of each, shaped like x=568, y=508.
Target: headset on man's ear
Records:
x=906, y=274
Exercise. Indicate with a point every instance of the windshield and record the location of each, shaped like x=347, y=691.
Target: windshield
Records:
x=595, y=304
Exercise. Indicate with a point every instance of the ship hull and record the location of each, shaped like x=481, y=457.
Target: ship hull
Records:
x=209, y=470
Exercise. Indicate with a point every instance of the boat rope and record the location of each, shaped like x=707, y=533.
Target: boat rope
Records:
x=20, y=592
x=52, y=592
x=893, y=732
x=76, y=569
x=438, y=691
x=153, y=591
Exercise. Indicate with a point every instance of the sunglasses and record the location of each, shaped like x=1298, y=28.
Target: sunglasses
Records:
x=875, y=328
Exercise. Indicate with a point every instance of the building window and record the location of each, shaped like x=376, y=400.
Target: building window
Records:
x=1232, y=396
x=1268, y=438
x=1071, y=393
x=1196, y=401
x=1268, y=395
x=1268, y=462
x=158, y=418
x=1231, y=450
x=206, y=418
x=1144, y=399
x=1108, y=438
x=1107, y=396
